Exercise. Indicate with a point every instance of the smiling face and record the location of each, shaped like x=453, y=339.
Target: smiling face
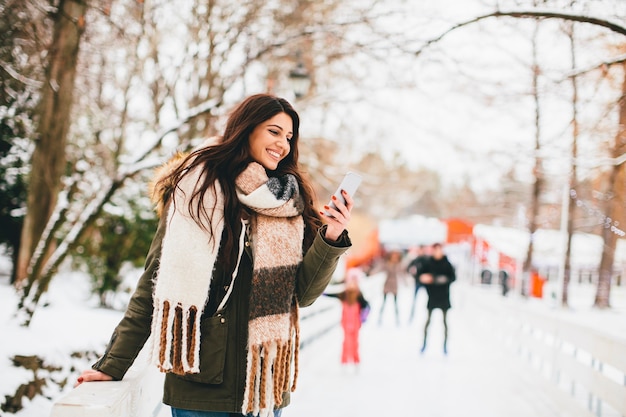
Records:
x=270, y=141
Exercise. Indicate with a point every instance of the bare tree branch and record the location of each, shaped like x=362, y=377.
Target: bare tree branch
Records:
x=202, y=108
x=19, y=77
x=531, y=14
x=620, y=59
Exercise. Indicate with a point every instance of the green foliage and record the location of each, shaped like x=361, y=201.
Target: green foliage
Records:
x=21, y=26
x=117, y=239
x=13, y=181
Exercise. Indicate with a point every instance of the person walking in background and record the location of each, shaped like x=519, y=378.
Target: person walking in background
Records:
x=437, y=275
x=503, y=277
x=239, y=248
x=415, y=268
x=354, y=311
x=392, y=267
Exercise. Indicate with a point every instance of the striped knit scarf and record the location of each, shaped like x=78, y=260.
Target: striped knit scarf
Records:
x=278, y=232
x=182, y=287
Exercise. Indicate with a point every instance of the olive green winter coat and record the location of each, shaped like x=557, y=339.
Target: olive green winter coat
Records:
x=220, y=384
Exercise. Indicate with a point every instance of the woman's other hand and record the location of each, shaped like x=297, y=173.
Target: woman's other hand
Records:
x=339, y=218
x=91, y=375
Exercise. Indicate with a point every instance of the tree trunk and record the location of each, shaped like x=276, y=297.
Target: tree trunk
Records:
x=53, y=113
x=614, y=220
x=571, y=208
x=537, y=171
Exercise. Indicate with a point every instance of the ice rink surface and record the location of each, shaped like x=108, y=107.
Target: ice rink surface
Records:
x=478, y=378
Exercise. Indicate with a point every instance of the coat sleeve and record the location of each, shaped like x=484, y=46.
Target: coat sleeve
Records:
x=334, y=295
x=318, y=266
x=133, y=330
x=452, y=274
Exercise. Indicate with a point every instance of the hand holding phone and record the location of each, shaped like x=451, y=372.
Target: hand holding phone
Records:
x=350, y=183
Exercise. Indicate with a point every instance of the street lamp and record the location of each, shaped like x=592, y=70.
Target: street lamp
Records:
x=300, y=80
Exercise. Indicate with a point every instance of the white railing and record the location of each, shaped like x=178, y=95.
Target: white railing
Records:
x=139, y=394
x=317, y=320
x=579, y=360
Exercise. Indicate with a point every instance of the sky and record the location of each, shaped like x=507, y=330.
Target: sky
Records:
x=478, y=378
x=463, y=108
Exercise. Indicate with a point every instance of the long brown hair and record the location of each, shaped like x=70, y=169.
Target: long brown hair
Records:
x=225, y=160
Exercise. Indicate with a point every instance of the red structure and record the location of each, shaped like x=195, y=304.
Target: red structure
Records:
x=536, y=284
x=459, y=231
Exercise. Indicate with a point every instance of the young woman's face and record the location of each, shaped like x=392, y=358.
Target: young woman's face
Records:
x=270, y=141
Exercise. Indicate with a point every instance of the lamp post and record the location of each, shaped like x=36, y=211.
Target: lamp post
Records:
x=300, y=80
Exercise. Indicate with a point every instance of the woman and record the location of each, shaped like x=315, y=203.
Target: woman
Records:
x=394, y=271
x=238, y=249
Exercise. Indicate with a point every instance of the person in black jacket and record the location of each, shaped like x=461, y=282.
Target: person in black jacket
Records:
x=415, y=268
x=437, y=275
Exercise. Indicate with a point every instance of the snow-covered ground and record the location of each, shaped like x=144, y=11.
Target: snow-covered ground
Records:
x=70, y=322
x=478, y=377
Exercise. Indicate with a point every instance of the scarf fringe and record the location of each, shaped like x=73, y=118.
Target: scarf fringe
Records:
x=269, y=373
x=178, y=330
x=295, y=324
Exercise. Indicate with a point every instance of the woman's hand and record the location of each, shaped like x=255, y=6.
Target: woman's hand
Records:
x=339, y=218
x=91, y=375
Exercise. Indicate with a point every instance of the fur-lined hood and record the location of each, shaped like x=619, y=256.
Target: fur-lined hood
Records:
x=159, y=190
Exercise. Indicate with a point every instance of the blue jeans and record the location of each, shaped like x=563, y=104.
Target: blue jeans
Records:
x=179, y=412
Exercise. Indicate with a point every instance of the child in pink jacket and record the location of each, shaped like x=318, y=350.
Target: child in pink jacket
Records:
x=353, y=313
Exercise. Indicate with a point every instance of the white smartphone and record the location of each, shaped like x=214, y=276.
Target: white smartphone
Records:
x=350, y=183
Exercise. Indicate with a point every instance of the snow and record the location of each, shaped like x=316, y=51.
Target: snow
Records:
x=69, y=322
x=478, y=377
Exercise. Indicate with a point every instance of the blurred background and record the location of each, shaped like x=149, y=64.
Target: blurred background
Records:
x=497, y=127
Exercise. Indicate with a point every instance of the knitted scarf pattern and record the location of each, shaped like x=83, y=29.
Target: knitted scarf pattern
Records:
x=273, y=332
x=181, y=289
